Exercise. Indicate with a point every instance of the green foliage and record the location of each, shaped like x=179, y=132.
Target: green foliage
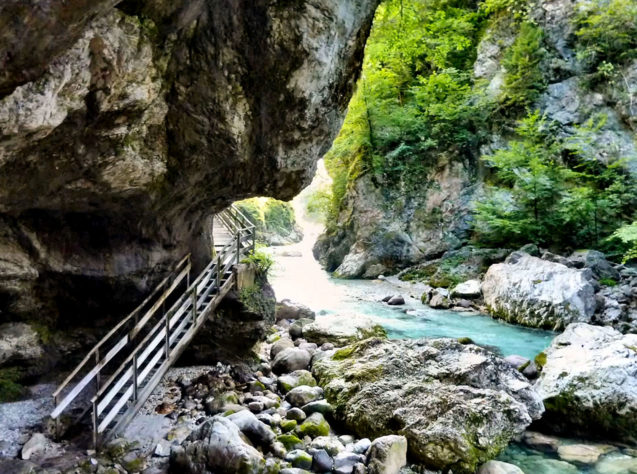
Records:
x=254, y=300
x=10, y=388
x=552, y=192
x=269, y=215
x=318, y=204
x=607, y=282
x=261, y=260
x=606, y=32
x=524, y=80
x=628, y=235
x=415, y=97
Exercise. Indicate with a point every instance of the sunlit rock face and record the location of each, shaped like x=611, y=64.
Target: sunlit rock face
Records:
x=123, y=127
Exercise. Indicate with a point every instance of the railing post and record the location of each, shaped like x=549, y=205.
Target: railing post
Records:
x=97, y=376
x=218, y=273
x=254, y=239
x=238, y=247
x=167, y=346
x=135, y=376
x=95, y=426
x=194, y=304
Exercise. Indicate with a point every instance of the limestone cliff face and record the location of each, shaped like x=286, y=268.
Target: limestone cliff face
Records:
x=124, y=125
x=381, y=230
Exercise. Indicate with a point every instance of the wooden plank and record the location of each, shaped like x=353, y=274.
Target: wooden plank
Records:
x=126, y=376
x=115, y=410
x=88, y=378
x=153, y=362
x=115, y=329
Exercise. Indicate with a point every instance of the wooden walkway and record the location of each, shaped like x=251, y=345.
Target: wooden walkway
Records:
x=116, y=377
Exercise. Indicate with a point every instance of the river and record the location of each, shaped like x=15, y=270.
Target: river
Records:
x=299, y=277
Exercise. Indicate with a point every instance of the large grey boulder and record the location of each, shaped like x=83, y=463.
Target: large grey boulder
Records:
x=256, y=430
x=589, y=383
x=457, y=405
x=341, y=329
x=534, y=292
x=19, y=342
x=217, y=446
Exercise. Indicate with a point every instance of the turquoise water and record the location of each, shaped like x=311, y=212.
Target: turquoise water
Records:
x=429, y=323
x=299, y=277
x=620, y=461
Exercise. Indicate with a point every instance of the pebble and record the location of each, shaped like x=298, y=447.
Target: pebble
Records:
x=296, y=414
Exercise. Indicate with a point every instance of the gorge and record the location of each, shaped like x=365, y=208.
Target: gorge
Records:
x=453, y=289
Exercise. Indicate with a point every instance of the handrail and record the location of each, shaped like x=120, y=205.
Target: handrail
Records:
x=176, y=326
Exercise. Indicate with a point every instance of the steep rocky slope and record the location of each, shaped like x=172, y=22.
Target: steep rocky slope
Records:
x=383, y=225
x=124, y=125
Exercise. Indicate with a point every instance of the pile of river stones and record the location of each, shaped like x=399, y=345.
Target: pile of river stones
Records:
x=277, y=420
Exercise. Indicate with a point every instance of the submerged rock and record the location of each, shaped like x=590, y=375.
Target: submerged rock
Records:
x=499, y=467
x=457, y=405
x=534, y=292
x=589, y=383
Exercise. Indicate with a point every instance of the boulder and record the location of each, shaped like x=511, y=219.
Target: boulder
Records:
x=342, y=329
x=287, y=309
x=299, y=459
x=387, y=455
x=397, y=300
x=470, y=289
x=216, y=446
x=583, y=453
x=291, y=359
x=322, y=461
x=280, y=345
x=300, y=396
x=534, y=292
x=541, y=442
x=617, y=464
x=40, y=447
x=596, y=261
x=499, y=467
x=589, y=383
x=295, y=379
x=19, y=342
x=517, y=361
x=257, y=431
x=314, y=426
x=457, y=405
x=440, y=299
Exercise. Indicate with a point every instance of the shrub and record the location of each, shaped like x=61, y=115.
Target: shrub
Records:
x=606, y=31
x=524, y=79
x=628, y=235
x=261, y=260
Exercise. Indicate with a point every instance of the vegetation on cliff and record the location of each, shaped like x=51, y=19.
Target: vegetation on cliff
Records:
x=419, y=98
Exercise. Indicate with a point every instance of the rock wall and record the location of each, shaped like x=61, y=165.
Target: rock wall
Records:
x=381, y=230
x=124, y=125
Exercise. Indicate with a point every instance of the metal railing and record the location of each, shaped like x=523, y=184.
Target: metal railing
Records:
x=138, y=351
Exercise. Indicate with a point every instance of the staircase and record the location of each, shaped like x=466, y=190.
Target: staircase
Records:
x=116, y=377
